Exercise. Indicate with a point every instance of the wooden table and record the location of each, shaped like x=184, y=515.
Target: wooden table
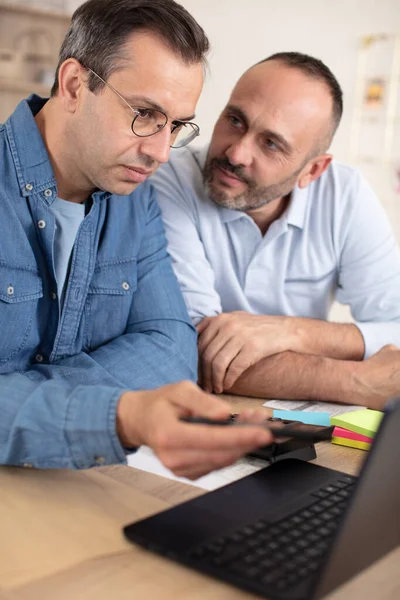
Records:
x=61, y=538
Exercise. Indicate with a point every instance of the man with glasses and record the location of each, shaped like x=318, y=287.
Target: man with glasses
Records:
x=149, y=121
x=92, y=320
x=264, y=230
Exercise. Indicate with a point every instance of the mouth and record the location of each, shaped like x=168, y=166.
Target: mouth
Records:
x=228, y=177
x=137, y=174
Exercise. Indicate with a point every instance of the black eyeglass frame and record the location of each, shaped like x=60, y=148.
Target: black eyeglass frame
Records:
x=135, y=109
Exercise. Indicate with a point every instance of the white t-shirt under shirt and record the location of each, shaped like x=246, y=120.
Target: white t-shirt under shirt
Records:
x=68, y=218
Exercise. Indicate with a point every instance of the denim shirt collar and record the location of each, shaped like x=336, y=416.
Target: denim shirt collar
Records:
x=32, y=162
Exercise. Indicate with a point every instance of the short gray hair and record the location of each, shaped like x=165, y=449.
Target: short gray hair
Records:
x=99, y=30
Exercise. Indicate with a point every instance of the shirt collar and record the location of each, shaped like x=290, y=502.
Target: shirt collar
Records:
x=32, y=162
x=30, y=156
x=297, y=209
x=295, y=214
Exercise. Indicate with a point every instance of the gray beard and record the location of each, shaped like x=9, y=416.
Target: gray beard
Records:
x=254, y=197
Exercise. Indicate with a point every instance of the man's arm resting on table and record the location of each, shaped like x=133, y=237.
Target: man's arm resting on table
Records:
x=335, y=340
x=296, y=376
x=231, y=343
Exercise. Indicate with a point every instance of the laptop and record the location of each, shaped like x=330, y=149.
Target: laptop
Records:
x=292, y=531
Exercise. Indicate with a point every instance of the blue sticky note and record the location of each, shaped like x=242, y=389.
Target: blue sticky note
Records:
x=311, y=418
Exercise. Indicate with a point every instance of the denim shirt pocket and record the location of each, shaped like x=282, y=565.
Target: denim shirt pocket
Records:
x=109, y=301
x=20, y=290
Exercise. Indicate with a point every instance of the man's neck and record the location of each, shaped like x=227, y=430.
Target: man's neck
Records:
x=71, y=185
x=264, y=216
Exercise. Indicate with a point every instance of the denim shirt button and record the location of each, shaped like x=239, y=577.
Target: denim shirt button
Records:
x=53, y=295
x=48, y=193
x=10, y=290
x=29, y=187
x=39, y=358
x=99, y=460
x=126, y=285
x=28, y=465
x=41, y=224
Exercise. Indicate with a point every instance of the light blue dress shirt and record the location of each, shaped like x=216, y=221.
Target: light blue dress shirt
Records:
x=123, y=324
x=333, y=241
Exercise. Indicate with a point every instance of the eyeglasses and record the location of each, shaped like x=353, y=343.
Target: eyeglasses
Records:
x=149, y=121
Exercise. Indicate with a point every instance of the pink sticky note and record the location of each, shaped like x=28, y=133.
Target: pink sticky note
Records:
x=351, y=435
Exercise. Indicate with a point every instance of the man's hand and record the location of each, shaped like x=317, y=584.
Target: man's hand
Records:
x=232, y=342
x=189, y=450
x=377, y=379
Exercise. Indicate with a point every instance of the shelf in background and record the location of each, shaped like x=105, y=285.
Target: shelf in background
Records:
x=23, y=87
x=34, y=11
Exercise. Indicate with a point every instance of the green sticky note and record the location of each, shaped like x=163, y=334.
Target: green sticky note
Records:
x=364, y=421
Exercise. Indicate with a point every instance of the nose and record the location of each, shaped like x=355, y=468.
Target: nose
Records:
x=157, y=146
x=240, y=151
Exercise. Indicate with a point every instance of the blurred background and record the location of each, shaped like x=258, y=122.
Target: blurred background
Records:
x=358, y=39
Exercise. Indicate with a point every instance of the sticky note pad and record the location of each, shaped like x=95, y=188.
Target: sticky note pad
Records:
x=308, y=417
x=350, y=443
x=365, y=421
x=351, y=435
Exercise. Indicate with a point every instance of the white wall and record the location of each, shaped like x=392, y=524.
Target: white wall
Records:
x=244, y=31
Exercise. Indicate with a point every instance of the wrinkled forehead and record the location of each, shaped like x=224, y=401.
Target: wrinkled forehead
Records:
x=292, y=99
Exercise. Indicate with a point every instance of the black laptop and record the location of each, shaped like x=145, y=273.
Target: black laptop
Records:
x=293, y=530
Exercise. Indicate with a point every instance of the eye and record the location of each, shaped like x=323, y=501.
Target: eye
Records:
x=270, y=145
x=234, y=121
x=144, y=113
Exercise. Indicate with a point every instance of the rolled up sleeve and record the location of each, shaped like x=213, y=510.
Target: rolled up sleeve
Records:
x=369, y=275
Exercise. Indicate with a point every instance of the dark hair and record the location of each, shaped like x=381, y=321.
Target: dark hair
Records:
x=315, y=68
x=100, y=28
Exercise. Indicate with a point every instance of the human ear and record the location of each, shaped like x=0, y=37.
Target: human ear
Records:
x=315, y=168
x=70, y=83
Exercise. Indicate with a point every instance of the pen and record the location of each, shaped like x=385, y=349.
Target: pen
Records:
x=294, y=429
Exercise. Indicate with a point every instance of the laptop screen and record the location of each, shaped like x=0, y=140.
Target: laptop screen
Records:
x=371, y=526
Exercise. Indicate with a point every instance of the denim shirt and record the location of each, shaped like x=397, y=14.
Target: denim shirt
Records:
x=124, y=324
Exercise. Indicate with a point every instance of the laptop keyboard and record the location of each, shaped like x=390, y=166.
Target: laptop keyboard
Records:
x=281, y=554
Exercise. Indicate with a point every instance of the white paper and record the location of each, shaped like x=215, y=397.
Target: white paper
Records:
x=330, y=407
x=145, y=460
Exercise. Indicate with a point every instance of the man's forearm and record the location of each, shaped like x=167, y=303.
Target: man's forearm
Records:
x=295, y=376
x=342, y=341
